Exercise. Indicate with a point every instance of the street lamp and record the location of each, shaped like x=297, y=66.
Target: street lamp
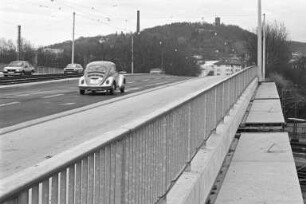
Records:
x=162, y=56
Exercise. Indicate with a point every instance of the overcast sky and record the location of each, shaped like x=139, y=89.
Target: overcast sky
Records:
x=45, y=22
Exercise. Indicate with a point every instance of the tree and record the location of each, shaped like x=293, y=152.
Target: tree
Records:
x=277, y=48
x=7, y=51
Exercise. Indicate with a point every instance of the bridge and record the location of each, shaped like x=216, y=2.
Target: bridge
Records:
x=165, y=144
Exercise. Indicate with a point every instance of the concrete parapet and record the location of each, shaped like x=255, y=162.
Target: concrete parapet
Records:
x=194, y=186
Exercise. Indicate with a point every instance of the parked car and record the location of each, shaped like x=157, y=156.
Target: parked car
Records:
x=156, y=71
x=18, y=68
x=101, y=76
x=73, y=69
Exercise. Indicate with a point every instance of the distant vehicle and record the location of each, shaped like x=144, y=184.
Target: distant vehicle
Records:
x=101, y=76
x=123, y=72
x=156, y=71
x=73, y=69
x=18, y=68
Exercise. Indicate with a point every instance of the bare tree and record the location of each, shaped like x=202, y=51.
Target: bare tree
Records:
x=277, y=48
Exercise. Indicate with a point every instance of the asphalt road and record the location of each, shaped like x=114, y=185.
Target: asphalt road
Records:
x=29, y=146
x=22, y=103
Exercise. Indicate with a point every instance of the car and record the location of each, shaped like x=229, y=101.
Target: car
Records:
x=73, y=69
x=123, y=72
x=156, y=71
x=18, y=68
x=101, y=76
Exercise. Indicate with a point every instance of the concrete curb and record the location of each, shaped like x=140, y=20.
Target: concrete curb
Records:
x=194, y=186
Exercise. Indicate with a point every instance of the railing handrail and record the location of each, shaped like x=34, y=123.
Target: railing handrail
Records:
x=26, y=178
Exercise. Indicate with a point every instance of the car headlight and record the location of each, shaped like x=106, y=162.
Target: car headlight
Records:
x=107, y=82
x=82, y=81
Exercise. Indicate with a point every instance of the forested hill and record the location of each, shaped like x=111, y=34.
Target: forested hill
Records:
x=298, y=47
x=168, y=43
x=210, y=41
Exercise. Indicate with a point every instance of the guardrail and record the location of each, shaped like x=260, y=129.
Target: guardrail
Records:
x=49, y=70
x=134, y=164
x=35, y=78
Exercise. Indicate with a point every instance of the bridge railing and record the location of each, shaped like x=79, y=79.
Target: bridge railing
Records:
x=49, y=70
x=134, y=164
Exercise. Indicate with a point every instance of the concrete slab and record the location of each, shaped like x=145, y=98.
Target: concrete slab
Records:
x=262, y=171
x=264, y=147
x=265, y=112
x=260, y=182
x=267, y=90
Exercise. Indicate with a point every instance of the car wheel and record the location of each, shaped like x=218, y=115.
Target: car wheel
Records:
x=112, y=90
x=82, y=92
x=122, y=89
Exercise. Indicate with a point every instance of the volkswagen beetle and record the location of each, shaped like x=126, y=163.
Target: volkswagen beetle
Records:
x=101, y=76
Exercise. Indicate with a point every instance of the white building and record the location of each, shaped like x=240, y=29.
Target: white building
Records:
x=208, y=67
x=221, y=68
x=226, y=70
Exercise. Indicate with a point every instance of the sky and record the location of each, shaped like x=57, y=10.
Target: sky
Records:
x=44, y=22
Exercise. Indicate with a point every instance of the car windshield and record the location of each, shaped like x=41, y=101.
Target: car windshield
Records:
x=97, y=68
x=71, y=66
x=16, y=64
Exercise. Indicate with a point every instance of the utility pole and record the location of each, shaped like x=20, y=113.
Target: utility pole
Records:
x=19, y=42
x=73, y=26
x=161, y=56
x=259, y=42
x=264, y=48
x=132, y=50
x=138, y=22
x=137, y=33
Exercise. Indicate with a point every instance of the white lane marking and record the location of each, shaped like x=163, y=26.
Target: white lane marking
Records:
x=130, y=82
x=7, y=104
x=53, y=96
x=160, y=83
x=22, y=95
x=67, y=104
x=133, y=89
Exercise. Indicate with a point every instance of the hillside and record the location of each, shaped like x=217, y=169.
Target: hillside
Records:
x=210, y=41
x=298, y=47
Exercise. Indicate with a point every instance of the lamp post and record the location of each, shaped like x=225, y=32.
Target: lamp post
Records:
x=162, y=56
x=259, y=42
x=264, y=48
x=73, y=27
x=132, y=53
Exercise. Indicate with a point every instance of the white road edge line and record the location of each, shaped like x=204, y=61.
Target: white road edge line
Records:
x=7, y=104
x=132, y=89
x=53, y=96
x=23, y=95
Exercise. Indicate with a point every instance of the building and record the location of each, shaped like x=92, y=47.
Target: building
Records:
x=53, y=50
x=217, y=21
x=207, y=69
x=223, y=67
